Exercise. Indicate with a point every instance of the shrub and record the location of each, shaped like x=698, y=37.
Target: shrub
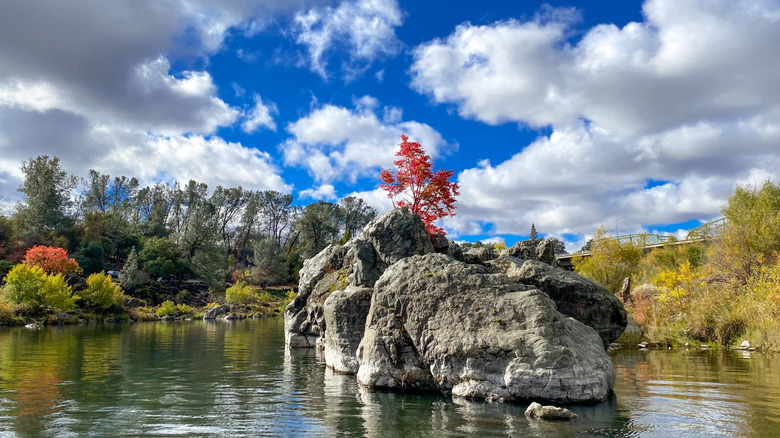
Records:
x=241, y=294
x=7, y=311
x=51, y=260
x=102, y=292
x=167, y=308
x=183, y=309
x=30, y=288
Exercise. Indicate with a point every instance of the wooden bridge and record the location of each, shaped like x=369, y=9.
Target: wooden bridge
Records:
x=708, y=231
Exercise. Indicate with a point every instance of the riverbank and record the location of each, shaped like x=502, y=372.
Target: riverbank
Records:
x=158, y=301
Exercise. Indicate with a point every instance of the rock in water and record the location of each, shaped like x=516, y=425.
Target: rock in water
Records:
x=391, y=237
x=439, y=324
x=576, y=296
x=303, y=322
x=345, y=318
x=214, y=312
x=535, y=410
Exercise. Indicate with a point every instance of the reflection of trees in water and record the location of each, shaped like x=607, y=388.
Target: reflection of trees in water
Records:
x=725, y=391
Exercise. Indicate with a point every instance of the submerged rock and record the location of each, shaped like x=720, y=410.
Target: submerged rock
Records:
x=345, y=318
x=576, y=296
x=439, y=324
x=536, y=410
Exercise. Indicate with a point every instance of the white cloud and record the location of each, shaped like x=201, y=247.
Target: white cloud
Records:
x=92, y=83
x=338, y=144
x=365, y=28
x=260, y=115
x=323, y=192
x=376, y=198
x=656, y=121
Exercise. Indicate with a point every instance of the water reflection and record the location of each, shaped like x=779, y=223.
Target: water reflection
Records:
x=236, y=378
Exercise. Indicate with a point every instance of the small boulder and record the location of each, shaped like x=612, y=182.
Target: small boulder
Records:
x=440, y=243
x=554, y=413
x=479, y=256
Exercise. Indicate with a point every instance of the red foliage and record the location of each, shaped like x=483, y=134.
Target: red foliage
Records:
x=52, y=260
x=429, y=194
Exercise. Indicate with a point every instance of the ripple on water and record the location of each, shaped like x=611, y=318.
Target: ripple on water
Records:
x=198, y=379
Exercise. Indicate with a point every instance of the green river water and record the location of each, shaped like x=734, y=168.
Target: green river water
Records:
x=236, y=379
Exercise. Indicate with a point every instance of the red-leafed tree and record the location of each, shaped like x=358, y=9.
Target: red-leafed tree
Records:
x=52, y=260
x=417, y=187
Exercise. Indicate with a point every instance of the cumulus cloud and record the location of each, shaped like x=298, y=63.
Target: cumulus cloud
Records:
x=339, y=144
x=98, y=77
x=656, y=120
x=365, y=28
x=324, y=192
x=260, y=115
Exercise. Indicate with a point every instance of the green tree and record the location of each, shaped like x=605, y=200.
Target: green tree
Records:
x=533, y=236
x=131, y=276
x=318, y=227
x=47, y=195
x=610, y=261
x=161, y=258
x=751, y=237
x=356, y=215
x=270, y=266
x=90, y=257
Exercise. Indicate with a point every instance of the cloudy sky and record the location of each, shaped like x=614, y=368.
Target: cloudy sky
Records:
x=636, y=115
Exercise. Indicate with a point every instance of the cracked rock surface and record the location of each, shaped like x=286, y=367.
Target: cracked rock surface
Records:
x=439, y=324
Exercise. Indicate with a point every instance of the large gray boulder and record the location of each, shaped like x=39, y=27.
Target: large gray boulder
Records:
x=393, y=236
x=345, y=318
x=303, y=317
x=397, y=234
x=439, y=324
x=576, y=296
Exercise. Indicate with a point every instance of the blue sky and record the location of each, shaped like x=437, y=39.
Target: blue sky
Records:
x=635, y=115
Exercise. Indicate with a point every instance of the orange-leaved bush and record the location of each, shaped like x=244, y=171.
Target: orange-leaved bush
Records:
x=52, y=260
x=416, y=186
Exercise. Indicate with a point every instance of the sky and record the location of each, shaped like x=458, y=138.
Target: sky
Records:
x=641, y=116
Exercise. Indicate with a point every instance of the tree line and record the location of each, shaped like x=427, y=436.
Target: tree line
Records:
x=179, y=231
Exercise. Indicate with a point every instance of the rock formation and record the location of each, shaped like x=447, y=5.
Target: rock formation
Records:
x=403, y=313
x=345, y=318
x=576, y=296
x=439, y=324
x=541, y=250
x=385, y=240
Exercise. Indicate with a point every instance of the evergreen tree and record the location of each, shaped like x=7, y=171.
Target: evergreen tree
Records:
x=130, y=276
x=533, y=236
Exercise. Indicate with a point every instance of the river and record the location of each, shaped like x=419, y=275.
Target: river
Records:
x=236, y=379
